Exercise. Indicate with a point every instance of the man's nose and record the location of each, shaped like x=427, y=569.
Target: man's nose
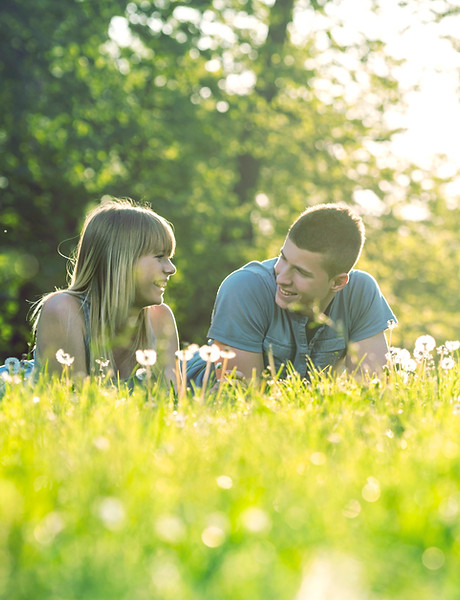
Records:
x=282, y=273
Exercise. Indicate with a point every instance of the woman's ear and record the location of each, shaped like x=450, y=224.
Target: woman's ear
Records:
x=339, y=282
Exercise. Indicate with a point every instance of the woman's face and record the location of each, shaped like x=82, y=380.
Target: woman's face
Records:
x=151, y=275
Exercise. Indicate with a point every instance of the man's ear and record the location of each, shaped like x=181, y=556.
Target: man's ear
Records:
x=339, y=282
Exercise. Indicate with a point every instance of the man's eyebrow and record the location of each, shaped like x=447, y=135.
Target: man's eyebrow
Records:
x=299, y=268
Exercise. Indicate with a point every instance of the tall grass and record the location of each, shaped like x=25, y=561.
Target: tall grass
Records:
x=331, y=489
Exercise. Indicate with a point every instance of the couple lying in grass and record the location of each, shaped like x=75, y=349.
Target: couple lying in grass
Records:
x=308, y=306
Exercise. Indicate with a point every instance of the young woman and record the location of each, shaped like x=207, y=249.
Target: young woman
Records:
x=114, y=303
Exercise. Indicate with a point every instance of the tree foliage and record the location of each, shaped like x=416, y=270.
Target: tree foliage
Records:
x=228, y=117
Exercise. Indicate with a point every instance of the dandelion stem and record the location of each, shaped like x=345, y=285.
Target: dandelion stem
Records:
x=205, y=380
x=222, y=375
x=183, y=389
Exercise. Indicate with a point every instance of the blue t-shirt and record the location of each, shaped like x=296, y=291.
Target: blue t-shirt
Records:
x=246, y=317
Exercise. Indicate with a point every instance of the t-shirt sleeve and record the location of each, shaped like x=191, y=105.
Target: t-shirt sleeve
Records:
x=241, y=316
x=368, y=309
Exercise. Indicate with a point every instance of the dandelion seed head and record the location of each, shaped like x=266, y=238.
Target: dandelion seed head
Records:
x=425, y=343
x=13, y=364
x=452, y=345
x=318, y=458
x=420, y=354
x=255, y=519
x=146, y=358
x=187, y=353
x=213, y=536
x=63, y=358
x=7, y=378
x=225, y=482
x=410, y=365
x=111, y=512
x=371, y=491
x=391, y=324
x=447, y=363
x=228, y=354
x=141, y=374
x=103, y=363
x=210, y=353
x=170, y=528
x=101, y=443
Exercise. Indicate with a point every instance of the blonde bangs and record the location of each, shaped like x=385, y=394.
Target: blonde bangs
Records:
x=156, y=236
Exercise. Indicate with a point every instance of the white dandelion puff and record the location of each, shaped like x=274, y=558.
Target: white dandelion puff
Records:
x=12, y=364
x=187, y=353
x=447, y=363
x=452, y=345
x=210, y=353
x=425, y=343
x=146, y=358
x=64, y=358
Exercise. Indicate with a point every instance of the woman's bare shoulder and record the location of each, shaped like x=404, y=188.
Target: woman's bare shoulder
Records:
x=62, y=305
x=159, y=312
x=162, y=318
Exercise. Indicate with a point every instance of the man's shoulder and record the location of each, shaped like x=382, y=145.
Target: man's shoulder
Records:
x=253, y=273
x=358, y=279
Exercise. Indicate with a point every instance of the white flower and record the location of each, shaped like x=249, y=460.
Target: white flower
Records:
x=210, y=353
x=409, y=365
x=228, y=354
x=187, y=353
x=398, y=355
x=12, y=364
x=64, y=358
x=391, y=324
x=447, y=363
x=146, y=358
x=141, y=374
x=102, y=363
x=453, y=345
x=425, y=343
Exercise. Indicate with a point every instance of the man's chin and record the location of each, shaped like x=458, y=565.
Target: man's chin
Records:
x=291, y=304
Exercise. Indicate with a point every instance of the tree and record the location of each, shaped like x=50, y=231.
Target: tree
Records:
x=228, y=118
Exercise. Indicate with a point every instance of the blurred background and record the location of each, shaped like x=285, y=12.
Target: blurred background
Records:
x=230, y=117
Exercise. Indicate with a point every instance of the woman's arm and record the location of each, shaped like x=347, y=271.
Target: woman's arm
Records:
x=61, y=325
x=167, y=339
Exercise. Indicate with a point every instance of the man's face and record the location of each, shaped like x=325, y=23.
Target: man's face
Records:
x=302, y=282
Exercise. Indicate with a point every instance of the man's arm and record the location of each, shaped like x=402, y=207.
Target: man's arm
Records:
x=248, y=363
x=368, y=355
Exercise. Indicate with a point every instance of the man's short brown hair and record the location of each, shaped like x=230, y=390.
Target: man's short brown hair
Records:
x=333, y=230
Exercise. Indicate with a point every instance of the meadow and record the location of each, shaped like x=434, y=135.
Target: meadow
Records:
x=331, y=489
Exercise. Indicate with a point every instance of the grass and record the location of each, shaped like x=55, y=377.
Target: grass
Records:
x=333, y=490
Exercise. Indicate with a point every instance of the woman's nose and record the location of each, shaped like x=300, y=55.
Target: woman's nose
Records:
x=170, y=269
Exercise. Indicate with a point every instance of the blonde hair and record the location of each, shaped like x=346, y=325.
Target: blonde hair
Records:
x=114, y=236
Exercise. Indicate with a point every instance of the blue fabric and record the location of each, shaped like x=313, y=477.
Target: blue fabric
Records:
x=15, y=367
x=196, y=367
x=246, y=317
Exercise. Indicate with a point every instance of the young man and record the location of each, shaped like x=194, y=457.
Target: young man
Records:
x=308, y=306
